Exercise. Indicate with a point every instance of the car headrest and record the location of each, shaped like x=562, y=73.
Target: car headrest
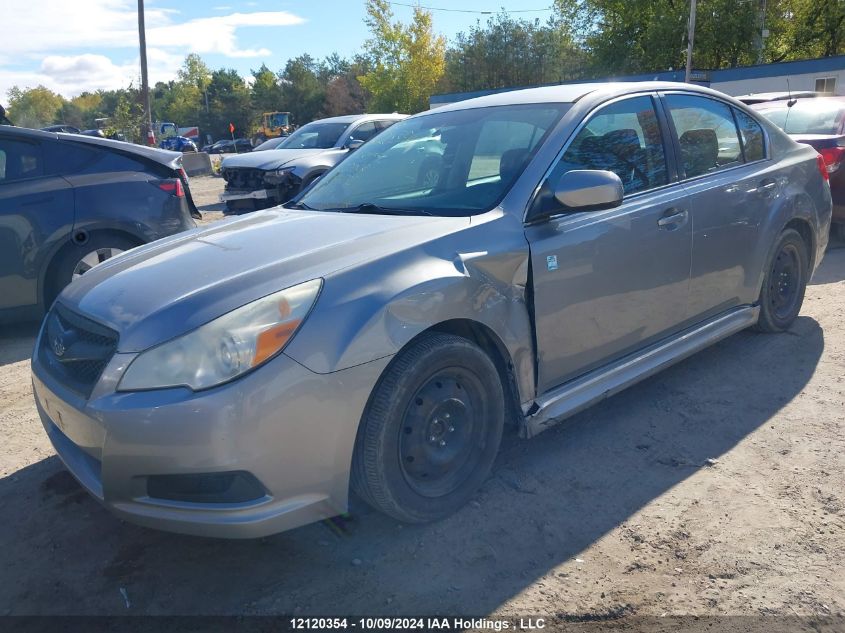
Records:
x=511, y=163
x=624, y=142
x=700, y=150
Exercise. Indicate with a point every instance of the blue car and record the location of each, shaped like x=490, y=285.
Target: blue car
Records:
x=178, y=144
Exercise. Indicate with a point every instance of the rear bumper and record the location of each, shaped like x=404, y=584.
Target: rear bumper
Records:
x=289, y=429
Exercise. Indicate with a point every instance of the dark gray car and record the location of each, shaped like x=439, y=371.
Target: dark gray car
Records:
x=379, y=333
x=267, y=178
x=68, y=202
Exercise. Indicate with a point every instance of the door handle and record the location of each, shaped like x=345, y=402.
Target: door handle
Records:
x=767, y=186
x=672, y=218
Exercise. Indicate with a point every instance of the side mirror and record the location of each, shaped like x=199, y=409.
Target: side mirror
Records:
x=354, y=144
x=589, y=190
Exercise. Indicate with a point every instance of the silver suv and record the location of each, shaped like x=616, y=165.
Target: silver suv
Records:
x=378, y=333
x=265, y=179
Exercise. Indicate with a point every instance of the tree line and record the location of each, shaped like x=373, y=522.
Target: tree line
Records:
x=401, y=64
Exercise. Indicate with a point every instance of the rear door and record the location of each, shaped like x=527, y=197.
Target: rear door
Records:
x=609, y=282
x=732, y=184
x=36, y=216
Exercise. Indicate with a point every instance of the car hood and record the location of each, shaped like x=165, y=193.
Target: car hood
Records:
x=269, y=159
x=164, y=289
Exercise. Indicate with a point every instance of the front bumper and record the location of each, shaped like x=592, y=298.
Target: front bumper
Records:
x=259, y=194
x=289, y=428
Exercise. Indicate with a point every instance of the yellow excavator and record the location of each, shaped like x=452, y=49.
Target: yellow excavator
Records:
x=273, y=125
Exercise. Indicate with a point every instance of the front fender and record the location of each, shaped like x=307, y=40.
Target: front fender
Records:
x=372, y=311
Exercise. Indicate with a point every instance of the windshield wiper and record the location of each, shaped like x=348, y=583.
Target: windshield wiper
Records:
x=298, y=205
x=369, y=207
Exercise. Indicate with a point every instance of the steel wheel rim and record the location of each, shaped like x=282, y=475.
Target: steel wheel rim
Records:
x=441, y=439
x=92, y=259
x=785, y=281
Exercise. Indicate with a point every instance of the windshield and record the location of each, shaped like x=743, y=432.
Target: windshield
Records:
x=448, y=164
x=272, y=143
x=278, y=119
x=315, y=135
x=810, y=116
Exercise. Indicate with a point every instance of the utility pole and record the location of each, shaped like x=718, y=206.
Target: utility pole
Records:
x=145, y=84
x=761, y=43
x=690, y=40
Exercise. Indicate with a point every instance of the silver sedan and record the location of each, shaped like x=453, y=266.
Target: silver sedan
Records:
x=378, y=332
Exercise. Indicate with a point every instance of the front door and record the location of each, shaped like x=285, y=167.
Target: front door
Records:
x=609, y=282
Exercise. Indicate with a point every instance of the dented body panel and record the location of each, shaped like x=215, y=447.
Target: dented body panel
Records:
x=572, y=308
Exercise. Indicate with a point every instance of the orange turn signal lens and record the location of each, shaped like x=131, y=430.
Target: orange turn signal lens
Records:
x=271, y=340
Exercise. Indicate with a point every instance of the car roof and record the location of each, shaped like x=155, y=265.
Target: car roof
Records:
x=352, y=118
x=158, y=155
x=570, y=93
x=811, y=101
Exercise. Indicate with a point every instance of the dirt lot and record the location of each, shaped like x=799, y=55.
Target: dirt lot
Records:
x=717, y=487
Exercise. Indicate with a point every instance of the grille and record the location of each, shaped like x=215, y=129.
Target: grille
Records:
x=75, y=350
x=248, y=179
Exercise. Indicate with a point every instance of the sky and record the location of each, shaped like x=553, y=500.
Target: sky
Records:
x=72, y=46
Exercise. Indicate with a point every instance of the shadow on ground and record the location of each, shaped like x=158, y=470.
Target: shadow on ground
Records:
x=832, y=268
x=548, y=499
x=16, y=341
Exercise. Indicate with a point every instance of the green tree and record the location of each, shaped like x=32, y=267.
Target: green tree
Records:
x=266, y=94
x=33, y=107
x=126, y=118
x=506, y=52
x=229, y=102
x=303, y=90
x=407, y=60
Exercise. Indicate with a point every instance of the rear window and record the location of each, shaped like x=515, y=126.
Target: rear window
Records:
x=807, y=116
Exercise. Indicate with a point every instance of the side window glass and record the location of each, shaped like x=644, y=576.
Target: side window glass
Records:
x=706, y=133
x=19, y=161
x=753, y=143
x=364, y=132
x=67, y=158
x=383, y=125
x=624, y=138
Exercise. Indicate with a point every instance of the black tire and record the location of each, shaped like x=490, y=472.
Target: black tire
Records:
x=785, y=282
x=62, y=270
x=431, y=430
x=837, y=231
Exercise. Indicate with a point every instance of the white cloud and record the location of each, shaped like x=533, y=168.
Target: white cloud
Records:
x=71, y=75
x=36, y=38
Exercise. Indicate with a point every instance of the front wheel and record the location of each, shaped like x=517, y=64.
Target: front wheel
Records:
x=431, y=430
x=786, y=280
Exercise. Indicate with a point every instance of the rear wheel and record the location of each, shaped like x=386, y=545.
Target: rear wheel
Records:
x=78, y=259
x=785, y=282
x=431, y=431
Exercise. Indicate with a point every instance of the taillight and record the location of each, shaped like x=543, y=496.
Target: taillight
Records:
x=172, y=186
x=832, y=157
x=822, y=165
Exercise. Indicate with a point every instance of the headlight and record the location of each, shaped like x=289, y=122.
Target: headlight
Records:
x=227, y=347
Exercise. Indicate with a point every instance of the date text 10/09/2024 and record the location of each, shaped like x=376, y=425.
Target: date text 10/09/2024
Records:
x=411, y=624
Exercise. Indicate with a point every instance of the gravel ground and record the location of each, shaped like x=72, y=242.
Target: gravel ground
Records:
x=714, y=488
